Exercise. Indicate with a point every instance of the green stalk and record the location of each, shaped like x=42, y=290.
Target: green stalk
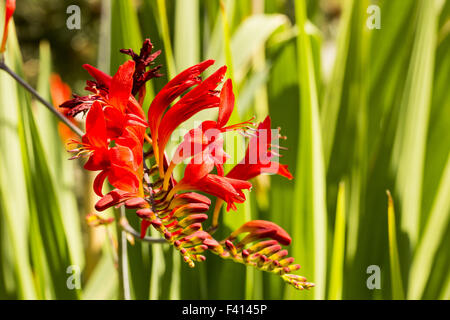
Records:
x=310, y=207
x=122, y=268
x=227, y=43
x=396, y=275
x=165, y=34
x=245, y=209
x=337, y=260
x=410, y=141
x=433, y=234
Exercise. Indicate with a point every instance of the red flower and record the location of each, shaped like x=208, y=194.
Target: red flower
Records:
x=10, y=7
x=260, y=229
x=257, y=160
x=258, y=156
x=120, y=109
x=115, y=130
x=119, y=85
x=202, y=97
x=198, y=177
x=172, y=90
x=207, y=137
x=116, y=197
x=115, y=163
x=114, y=141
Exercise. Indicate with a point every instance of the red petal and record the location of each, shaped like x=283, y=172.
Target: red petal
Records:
x=220, y=171
x=144, y=226
x=10, y=7
x=135, y=203
x=193, y=143
x=121, y=85
x=226, y=104
x=171, y=91
x=98, y=182
x=101, y=77
x=135, y=108
x=280, y=169
x=115, y=121
x=198, y=168
x=99, y=160
x=242, y=171
x=259, y=161
x=96, y=126
x=229, y=190
x=123, y=179
x=239, y=184
x=111, y=199
x=188, y=209
x=198, y=99
x=121, y=156
x=59, y=90
x=189, y=197
x=134, y=120
x=264, y=228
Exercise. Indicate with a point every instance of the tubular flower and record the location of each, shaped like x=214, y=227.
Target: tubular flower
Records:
x=258, y=159
x=259, y=155
x=10, y=7
x=128, y=150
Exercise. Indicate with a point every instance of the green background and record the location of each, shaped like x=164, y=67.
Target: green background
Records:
x=365, y=111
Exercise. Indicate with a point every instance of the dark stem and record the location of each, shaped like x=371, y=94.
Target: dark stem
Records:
x=30, y=89
x=129, y=229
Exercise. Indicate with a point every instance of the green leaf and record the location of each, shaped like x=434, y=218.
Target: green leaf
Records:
x=102, y=284
x=250, y=37
x=396, y=276
x=410, y=140
x=165, y=35
x=337, y=260
x=333, y=92
x=310, y=214
x=13, y=191
x=125, y=32
x=187, y=34
x=433, y=234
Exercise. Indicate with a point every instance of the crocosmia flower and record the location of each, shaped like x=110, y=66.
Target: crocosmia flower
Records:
x=127, y=149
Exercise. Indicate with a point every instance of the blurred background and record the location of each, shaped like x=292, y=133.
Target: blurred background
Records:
x=360, y=89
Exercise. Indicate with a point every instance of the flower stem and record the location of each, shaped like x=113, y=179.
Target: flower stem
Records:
x=30, y=89
x=130, y=230
x=124, y=283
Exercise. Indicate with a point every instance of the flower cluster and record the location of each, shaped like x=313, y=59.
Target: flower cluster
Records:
x=127, y=148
